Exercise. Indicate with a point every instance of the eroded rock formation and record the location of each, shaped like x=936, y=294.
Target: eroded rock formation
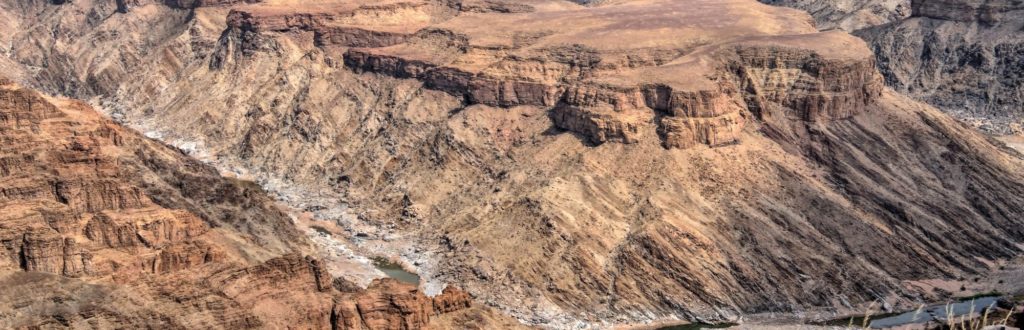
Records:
x=607, y=90
x=962, y=56
x=970, y=11
x=609, y=163
x=104, y=228
x=850, y=15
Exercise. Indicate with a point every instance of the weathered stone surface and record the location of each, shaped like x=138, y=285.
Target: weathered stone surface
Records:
x=603, y=99
x=389, y=304
x=983, y=11
x=958, y=55
x=823, y=189
x=850, y=15
x=85, y=198
x=964, y=57
x=192, y=4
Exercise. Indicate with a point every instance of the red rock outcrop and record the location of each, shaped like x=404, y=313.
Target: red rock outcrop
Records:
x=389, y=304
x=84, y=198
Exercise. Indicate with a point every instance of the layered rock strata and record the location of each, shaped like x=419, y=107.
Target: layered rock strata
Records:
x=102, y=227
x=850, y=15
x=983, y=11
x=958, y=55
x=479, y=161
x=609, y=91
x=961, y=56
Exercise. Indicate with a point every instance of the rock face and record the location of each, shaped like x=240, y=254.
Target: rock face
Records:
x=392, y=305
x=962, y=56
x=610, y=163
x=850, y=15
x=609, y=91
x=969, y=11
x=102, y=227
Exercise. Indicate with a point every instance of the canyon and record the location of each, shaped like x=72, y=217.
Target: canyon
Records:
x=104, y=228
x=571, y=165
x=961, y=56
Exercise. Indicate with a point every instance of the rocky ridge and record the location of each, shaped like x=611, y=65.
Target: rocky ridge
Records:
x=849, y=15
x=958, y=55
x=567, y=178
x=104, y=228
x=970, y=11
x=961, y=56
x=607, y=91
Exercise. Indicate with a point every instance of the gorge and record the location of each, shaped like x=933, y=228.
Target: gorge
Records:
x=563, y=164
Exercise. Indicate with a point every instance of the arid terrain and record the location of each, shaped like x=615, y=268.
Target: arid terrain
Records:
x=104, y=228
x=850, y=15
x=961, y=56
x=566, y=164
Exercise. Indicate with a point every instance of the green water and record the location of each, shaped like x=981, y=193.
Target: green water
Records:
x=395, y=271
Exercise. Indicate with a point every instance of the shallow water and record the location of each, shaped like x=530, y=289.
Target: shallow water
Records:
x=937, y=313
x=395, y=271
x=696, y=326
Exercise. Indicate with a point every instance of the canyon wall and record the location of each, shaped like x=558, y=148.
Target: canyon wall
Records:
x=105, y=228
x=961, y=56
x=850, y=15
x=720, y=167
x=971, y=11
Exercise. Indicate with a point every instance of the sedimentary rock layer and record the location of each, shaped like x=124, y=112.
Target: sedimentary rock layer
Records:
x=522, y=153
x=961, y=56
x=984, y=11
x=605, y=97
x=102, y=227
x=849, y=15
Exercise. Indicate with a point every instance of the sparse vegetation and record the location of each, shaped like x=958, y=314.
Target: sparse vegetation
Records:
x=992, y=316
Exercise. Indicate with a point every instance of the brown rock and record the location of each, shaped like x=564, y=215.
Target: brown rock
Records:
x=389, y=304
x=837, y=191
x=84, y=198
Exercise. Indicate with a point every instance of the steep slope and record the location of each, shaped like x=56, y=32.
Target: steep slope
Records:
x=573, y=165
x=964, y=57
x=104, y=228
x=849, y=15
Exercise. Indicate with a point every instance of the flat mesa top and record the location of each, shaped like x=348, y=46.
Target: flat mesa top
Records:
x=632, y=39
x=632, y=24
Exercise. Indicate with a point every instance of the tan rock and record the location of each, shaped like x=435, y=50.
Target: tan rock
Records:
x=92, y=202
x=837, y=190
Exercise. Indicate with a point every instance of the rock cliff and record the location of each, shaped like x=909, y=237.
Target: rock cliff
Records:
x=961, y=56
x=609, y=91
x=104, y=228
x=850, y=15
x=970, y=11
x=573, y=165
